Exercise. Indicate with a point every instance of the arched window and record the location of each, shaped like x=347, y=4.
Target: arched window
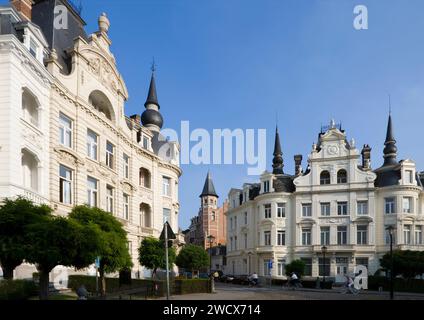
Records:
x=145, y=178
x=30, y=107
x=342, y=176
x=29, y=170
x=145, y=215
x=101, y=103
x=324, y=177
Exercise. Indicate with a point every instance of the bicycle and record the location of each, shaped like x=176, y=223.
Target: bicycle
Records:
x=350, y=289
x=293, y=285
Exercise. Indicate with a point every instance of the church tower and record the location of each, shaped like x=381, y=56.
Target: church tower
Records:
x=209, y=214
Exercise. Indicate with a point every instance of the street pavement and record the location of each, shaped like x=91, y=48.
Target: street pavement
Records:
x=240, y=292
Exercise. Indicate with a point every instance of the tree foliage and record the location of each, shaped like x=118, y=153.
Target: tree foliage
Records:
x=151, y=254
x=406, y=263
x=296, y=266
x=15, y=217
x=192, y=257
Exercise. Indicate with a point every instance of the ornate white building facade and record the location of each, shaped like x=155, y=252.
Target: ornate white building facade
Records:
x=65, y=138
x=338, y=202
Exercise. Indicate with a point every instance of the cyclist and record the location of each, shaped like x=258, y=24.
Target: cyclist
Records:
x=254, y=279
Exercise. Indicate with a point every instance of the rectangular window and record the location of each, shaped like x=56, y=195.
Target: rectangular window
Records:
x=267, y=238
x=390, y=205
x=65, y=185
x=306, y=236
x=267, y=269
x=342, y=208
x=231, y=223
x=166, y=215
x=92, y=191
x=33, y=48
x=409, y=176
x=308, y=266
x=362, y=262
x=418, y=235
x=341, y=235
x=245, y=240
x=146, y=143
x=325, y=209
x=65, y=131
x=245, y=218
x=281, y=263
x=166, y=183
x=281, y=238
x=362, y=234
x=231, y=243
x=235, y=243
x=387, y=236
x=325, y=236
x=126, y=206
x=281, y=210
x=306, y=210
x=267, y=208
x=407, y=234
x=109, y=199
x=362, y=208
x=407, y=205
x=266, y=186
x=324, y=267
x=126, y=167
x=109, y=154
x=235, y=222
x=92, y=144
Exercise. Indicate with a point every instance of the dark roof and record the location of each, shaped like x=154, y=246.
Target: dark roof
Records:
x=390, y=149
x=254, y=190
x=208, y=188
x=284, y=183
x=277, y=161
x=152, y=97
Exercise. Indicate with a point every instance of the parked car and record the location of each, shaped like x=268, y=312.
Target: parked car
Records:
x=241, y=279
x=226, y=278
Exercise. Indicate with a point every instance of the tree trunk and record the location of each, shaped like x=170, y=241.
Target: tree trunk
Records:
x=102, y=282
x=44, y=284
x=7, y=272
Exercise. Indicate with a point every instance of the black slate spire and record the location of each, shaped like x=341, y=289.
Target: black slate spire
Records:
x=151, y=117
x=277, y=161
x=209, y=188
x=152, y=97
x=390, y=149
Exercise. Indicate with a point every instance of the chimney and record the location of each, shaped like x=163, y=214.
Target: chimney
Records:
x=366, y=157
x=136, y=118
x=24, y=7
x=298, y=164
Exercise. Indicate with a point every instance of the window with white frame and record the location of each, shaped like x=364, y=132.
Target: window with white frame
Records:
x=267, y=238
x=65, y=185
x=281, y=237
x=109, y=199
x=33, y=48
x=146, y=143
x=266, y=186
x=126, y=206
x=166, y=215
x=109, y=154
x=325, y=236
x=407, y=234
x=126, y=167
x=362, y=208
x=92, y=191
x=267, y=210
x=166, y=183
x=407, y=205
x=418, y=234
x=341, y=235
x=65, y=130
x=362, y=234
x=306, y=236
x=324, y=177
x=213, y=216
x=281, y=210
x=390, y=205
x=409, y=176
x=342, y=208
x=267, y=269
x=306, y=210
x=325, y=208
x=281, y=263
x=92, y=143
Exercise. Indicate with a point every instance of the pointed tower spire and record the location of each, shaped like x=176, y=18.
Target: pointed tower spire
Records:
x=208, y=188
x=390, y=149
x=277, y=161
x=151, y=117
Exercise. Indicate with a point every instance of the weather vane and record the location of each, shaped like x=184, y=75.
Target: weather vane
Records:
x=153, y=65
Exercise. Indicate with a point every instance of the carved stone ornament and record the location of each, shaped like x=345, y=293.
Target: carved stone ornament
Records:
x=333, y=149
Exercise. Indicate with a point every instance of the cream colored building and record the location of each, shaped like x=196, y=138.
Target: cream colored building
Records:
x=65, y=138
x=338, y=202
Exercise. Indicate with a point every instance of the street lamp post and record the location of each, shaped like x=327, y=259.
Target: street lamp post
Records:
x=390, y=229
x=324, y=251
x=211, y=238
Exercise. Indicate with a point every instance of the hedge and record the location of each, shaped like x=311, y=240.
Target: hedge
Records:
x=177, y=286
x=400, y=284
x=17, y=289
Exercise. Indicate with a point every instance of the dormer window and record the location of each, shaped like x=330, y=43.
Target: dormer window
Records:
x=266, y=186
x=409, y=176
x=146, y=142
x=33, y=48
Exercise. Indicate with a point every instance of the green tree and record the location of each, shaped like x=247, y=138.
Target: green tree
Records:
x=192, y=257
x=15, y=216
x=113, y=249
x=151, y=254
x=60, y=241
x=296, y=266
x=407, y=263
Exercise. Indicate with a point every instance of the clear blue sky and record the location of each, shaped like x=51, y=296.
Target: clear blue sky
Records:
x=234, y=63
